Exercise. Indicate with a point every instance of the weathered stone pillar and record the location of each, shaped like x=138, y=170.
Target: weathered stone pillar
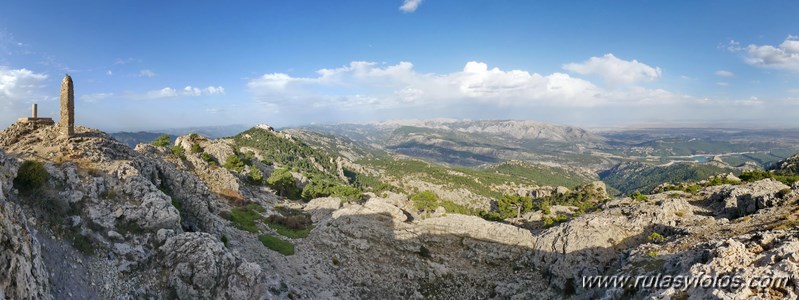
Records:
x=35, y=110
x=67, y=123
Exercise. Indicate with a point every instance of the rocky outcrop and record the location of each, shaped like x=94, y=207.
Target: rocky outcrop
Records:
x=200, y=267
x=23, y=274
x=765, y=264
x=218, y=179
x=740, y=200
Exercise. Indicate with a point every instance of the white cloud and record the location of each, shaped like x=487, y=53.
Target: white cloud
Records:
x=614, y=70
x=188, y=91
x=19, y=85
x=109, y=73
x=147, y=73
x=215, y=90
x=192, y=91
x=95, y=97
x=368, y=85
x=410, y=6
x=166, y=92
x=783, y=57
x=724, y=73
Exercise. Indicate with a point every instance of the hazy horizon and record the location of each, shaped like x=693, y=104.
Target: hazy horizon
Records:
x=148, y=66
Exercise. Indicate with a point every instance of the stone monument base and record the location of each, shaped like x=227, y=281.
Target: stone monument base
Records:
x=37, y=121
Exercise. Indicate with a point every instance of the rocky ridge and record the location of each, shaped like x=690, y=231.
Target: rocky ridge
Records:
x=160, y=230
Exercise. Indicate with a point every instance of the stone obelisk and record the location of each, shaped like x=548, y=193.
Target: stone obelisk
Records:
x=67, y=123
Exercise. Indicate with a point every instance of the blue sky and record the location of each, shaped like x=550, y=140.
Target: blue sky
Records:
x=167, y=64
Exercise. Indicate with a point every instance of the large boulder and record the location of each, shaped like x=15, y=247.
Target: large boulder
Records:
x=740, y=200
x=200, y=267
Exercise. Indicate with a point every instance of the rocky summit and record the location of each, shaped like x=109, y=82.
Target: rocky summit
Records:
x=87, y=217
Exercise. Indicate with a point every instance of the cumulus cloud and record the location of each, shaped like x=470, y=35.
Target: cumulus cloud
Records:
x=188, y=91
x=410, y=6
x=368, y=85
x=147, y=73
x=614, y=70
x=724, y=73
x=785, y=56
x=19, y=85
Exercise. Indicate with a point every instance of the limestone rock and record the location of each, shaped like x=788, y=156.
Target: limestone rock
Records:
x=200, y=267
x=740, y=200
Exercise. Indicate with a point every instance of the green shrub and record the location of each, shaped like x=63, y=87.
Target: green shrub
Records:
x=179, y=152
x=233, y=162
x=452, y=207
x=195, y=148
x=276, y=244
x=193, y=136
x=546, y=208
x=656, y=238
x=207, y=157
x=282, y=181
x=425, y=201
x=346, y=193
x=161, y=141
x=31, y=176
x=255, y=176
x=637, y=196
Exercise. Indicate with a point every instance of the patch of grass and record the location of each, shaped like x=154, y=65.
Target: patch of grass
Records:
x=245, y=218
x=652, y=254
x=294, y=227
x=679, y=214
x=276, y=244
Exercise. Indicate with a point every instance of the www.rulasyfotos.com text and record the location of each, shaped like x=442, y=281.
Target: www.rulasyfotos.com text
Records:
x=683, y=282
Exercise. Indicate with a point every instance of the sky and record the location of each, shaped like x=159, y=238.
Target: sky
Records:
x=147, y=65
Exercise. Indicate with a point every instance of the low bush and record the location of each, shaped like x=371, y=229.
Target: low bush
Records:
x=425, y=201
x=655, y=238
x=234, y=163
x=179, y=152
x=31, y=176
x=637, y=196
x=161, y=141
